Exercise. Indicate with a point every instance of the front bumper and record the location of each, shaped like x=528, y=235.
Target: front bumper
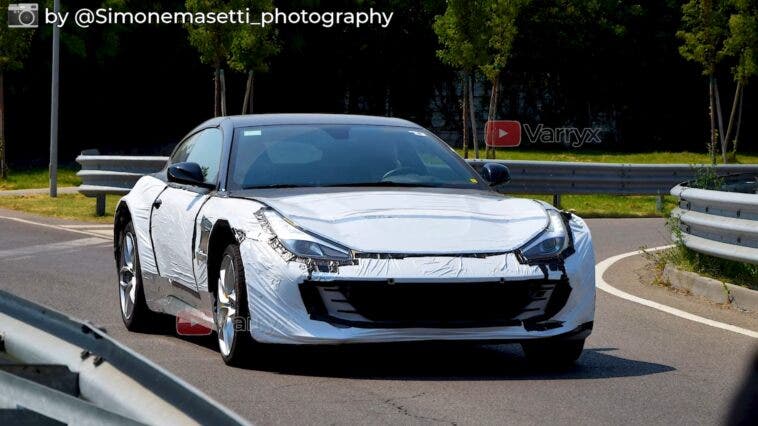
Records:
x=384, y=300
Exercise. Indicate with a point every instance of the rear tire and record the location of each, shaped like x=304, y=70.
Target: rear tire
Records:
x=230, y=309
x=553, y=353
x=134, y=311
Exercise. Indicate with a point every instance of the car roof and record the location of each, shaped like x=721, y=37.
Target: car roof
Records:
x=284, y=119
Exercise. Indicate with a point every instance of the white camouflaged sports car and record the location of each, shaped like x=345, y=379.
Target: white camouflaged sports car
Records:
x=330, y=229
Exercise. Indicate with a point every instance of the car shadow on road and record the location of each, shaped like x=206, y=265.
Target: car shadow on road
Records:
x=442, y=362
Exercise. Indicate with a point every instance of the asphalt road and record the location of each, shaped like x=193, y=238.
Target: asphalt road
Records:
x=640, y=365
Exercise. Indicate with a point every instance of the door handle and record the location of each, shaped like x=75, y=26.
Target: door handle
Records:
x=157, y=203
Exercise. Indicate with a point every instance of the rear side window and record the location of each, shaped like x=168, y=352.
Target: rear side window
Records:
x=203, y=148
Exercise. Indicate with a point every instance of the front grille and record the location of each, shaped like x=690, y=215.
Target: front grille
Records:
x=385, y=304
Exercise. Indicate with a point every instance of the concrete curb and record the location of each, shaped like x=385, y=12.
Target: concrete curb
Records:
x=711, y=289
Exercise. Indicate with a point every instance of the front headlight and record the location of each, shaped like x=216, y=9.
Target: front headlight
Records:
x=303, y=244
x=550, y=243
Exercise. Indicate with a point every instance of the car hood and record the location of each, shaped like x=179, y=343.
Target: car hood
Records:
x=413, y=221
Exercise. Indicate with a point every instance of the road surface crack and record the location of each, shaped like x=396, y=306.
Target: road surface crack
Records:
x=403, y=410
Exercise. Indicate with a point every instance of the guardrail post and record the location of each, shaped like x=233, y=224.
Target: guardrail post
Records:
x=557, y=201
x=100, y=205
x=659, y=203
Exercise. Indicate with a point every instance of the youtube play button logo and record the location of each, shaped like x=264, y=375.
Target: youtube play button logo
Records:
x=503, y=133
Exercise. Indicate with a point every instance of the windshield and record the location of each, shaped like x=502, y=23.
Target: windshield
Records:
x=344, y=155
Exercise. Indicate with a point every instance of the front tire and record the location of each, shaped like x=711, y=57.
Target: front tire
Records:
x=134, y=311
x=553, y=353
x=230, y=309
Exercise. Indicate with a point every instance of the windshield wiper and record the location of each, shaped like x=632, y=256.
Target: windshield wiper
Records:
x=384, y=183
x=348, y=184
x=276, y=185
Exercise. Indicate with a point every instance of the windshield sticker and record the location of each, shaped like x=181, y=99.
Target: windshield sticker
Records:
x=252, y=133
x=473, y=180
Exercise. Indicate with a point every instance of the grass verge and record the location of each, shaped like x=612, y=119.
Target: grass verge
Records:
x=38, y=178
x=586, y=155
x=737, y=273
x=65, y=206
x=724, y=270
x=612, y=206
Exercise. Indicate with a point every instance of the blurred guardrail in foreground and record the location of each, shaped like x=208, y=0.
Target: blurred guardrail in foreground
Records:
x=55, y=367
x=110, y=174
x=720, y=223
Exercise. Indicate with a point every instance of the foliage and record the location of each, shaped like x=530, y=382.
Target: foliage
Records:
x=707, y=178
x=742, y=41
x=14, y=42
x=212, y=41
x=500, y=31
x=704, y=28
x=252, y=46
x=458, y=30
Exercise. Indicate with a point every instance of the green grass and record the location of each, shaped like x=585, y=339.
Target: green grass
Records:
x=66, y=206
x=585, y=155
x=738, y=273
x=38, y=178
x=588, y=206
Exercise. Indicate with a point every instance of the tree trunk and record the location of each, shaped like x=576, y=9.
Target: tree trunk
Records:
x=732, y=114
x=472, y=114
x=3, y=168
x=217, y=91
x=712, y=113
x=247, y=104
x=721, y=121
x=464, y=107
x=739, y=121
x=490, y=153
x=223, y=93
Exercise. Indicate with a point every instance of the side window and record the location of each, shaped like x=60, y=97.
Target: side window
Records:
x=203, y=148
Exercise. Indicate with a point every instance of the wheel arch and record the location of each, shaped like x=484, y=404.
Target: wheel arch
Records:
x=120, y=219
x=221, y=235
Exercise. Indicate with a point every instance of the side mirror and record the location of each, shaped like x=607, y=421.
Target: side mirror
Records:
x=187, y=173
x=495, y=174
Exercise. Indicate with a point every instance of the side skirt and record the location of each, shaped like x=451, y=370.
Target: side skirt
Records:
x=162, y=295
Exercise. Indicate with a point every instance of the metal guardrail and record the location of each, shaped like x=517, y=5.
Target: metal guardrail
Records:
x=105, y=174
x=113, y=174
x=115, y=382
x=557, y=177
x=718, y=223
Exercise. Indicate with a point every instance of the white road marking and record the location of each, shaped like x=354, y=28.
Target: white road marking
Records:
x=94, y=233
x=603, y=266
x=50, y=247
x=92, y=226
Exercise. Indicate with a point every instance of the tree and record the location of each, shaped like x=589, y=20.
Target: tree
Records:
x=500, y=32
x=704, y=28
x=251, y=47
x=463, y=48
x=741, y=43
x=14, y=46
x=213, y=42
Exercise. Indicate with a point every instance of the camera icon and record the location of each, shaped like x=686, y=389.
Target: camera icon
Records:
x=23, y=15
